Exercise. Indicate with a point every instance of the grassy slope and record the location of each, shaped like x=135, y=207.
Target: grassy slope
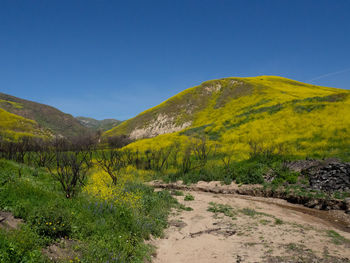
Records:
x=13, y=126
x=306, y=119
x=46, y=116
x=105, y=231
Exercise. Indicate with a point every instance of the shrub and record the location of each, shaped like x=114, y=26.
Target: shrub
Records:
x=51, y=222
x=283, y=174
x=70, y=170
x=250, y=174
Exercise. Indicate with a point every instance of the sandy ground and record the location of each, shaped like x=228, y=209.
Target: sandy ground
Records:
x=251, y=231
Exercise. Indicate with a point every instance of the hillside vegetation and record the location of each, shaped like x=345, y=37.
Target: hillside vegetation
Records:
x=86, y=228
x=46, y=117
x=13, y=127
x=241, y=115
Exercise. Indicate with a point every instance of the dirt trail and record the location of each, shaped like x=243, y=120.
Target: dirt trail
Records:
x=248, y=230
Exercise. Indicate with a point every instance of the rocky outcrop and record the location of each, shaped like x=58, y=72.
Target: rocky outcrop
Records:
x=161, y=125
x=329, y=176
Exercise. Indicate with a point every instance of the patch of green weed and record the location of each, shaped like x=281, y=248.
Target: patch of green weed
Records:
x=189, y=197
x=337, y=238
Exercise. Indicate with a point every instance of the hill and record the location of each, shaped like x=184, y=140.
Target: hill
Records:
x=236, y=112
x=43, y=117
x=96, y=125
x=13, y=126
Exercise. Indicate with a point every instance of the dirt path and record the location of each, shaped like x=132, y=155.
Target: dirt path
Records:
x=245, y=230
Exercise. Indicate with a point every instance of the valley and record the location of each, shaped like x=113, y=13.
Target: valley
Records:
x=232, y=170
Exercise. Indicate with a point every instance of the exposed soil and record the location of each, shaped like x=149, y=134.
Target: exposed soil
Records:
x=62, y=251
x=258, y=191
x=252, y=229
x=8, y=221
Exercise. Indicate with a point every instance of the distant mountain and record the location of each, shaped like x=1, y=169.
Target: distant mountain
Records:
x=241, y=112
x=96, y=125
x=37, y=118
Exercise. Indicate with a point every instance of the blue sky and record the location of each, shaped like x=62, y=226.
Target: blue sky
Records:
x=114, y=59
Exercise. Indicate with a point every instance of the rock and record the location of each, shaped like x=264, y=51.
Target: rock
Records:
x=312, y=203
x=347, y=205
x=319, y=206
x=328, y=175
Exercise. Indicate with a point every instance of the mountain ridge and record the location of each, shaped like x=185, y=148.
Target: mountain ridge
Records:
x=94, y=124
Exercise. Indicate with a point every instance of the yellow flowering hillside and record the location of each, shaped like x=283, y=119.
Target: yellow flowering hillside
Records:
x=51, y=120
x=236, y=113
x=13, y=127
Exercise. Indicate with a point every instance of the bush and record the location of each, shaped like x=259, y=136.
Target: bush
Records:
x=283, y=174
x=250, y=173
x=51, y=222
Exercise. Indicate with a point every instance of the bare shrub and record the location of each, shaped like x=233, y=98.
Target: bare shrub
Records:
x=70, y=170
x=111, y=161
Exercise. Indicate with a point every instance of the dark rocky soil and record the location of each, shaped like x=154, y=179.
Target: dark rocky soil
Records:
x=328, y=175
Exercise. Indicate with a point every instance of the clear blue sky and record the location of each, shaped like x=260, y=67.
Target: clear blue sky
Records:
x=115, y=59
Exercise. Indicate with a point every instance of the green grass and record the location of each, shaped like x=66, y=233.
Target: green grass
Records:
x=253, y=213
x=278, y=221
x=185, y=208
x=21, y=245
x=336, y=238
x=189, y=197
x=249, y=212
x=264, y=222
x=227, y=210
x=106, y=231
x=177, y=193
